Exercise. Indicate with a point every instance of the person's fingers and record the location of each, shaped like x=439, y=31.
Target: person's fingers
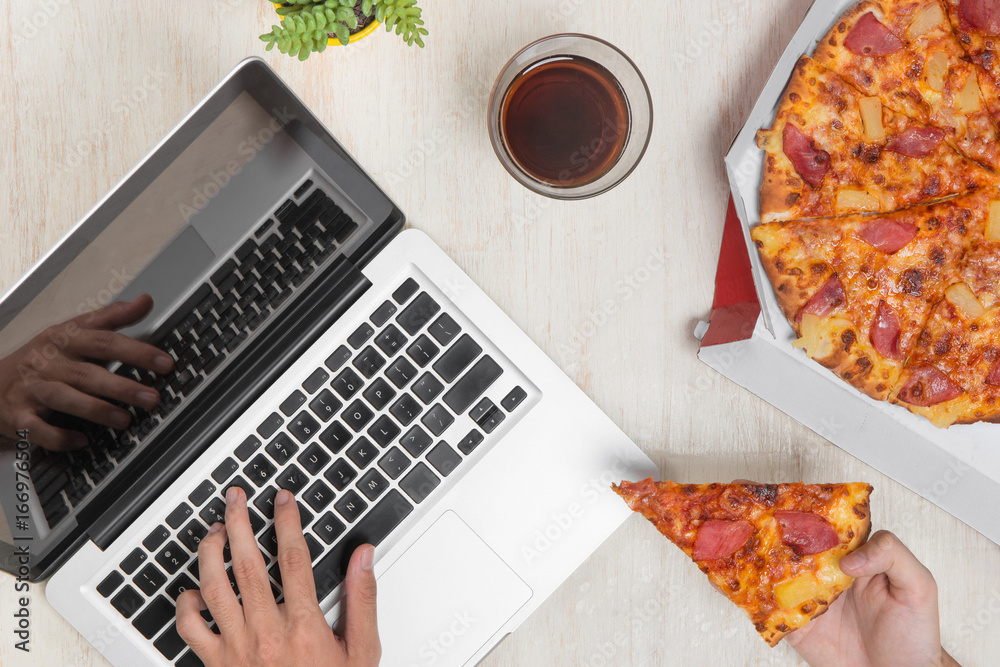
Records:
x=49, y=437
x=98, y=381
x=105, y=345
x=909, y=581
x=63, y=398
x=116, y=315
x=193, y=629
x=293, y=555
x=361, y=624
x=215, y=588
x=248, y=564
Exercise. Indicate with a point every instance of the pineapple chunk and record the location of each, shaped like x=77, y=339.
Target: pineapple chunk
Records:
x=871, y=115
x=851, y=201
x=769, y=141
x=993, y=223
x=937, y=68
x=927, y=18
x=793, y=593
x=819, y=335
x=962, y=298
x=970, y=99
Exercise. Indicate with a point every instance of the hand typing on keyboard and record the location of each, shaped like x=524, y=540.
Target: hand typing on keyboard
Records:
x=58, y=371
x=261, y=632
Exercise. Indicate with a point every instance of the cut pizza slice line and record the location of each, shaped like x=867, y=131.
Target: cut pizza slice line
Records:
x=905, y=53
x=772, y=549
x=832, y=151
x=977, y=26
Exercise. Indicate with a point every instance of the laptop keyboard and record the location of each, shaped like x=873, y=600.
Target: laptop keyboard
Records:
x=358, y=442
x=201, y=334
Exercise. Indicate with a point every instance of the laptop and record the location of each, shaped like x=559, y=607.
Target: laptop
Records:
x=319, y=347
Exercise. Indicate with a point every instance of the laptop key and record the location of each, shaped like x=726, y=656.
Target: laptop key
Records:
x=127, y=602
x=303, y=427
x=172, y=557
x=482, y=410
x=194, y=569
x=170, y=643
x=318, y=496
x=457, y=358
x=110, y=584
x=292, y=479
x=331, y=569
x=384, y=430
x=336, y=360
x=470, y=442
x=391, y=340
x=245, y=450
x=224, y=471
x=314, y=459
x=316, y=380
x=347, y=383
x=179, y=585
x=383, y=313
x=328, y=528
x=360, y=336
x=419, y=482
x=393, y=463
x=362, y=453
x=427, y=388
x=260, y=470
x=315, y=548
x=379, y=393
x=492, y=420
x=418, y=313
x=351, y=506
x=133, y=561
x=190, y=659
x=305, y=516
x=179, y=515
x=372, y=484
x=192, y=534
x=357, y=415
x=443, y=458
x=223, y=272
x=340, y=474
x=405, y=409
x=400, y=372
x=369, y=361
x=159, y=612
x=269, y=426
x=265, y=502
x=438, y=419
x=415, y=441
x=292, y=403
x=256, y=523
x=513, y=398
x=473, y=384
x=269, y=540
x=335, y=437
x=214, y=512
x=243, y=484
x=156, y=538
x=444, y=329
x=405, y=291
x=149, y=579
x=281, y=449
x=325, y=405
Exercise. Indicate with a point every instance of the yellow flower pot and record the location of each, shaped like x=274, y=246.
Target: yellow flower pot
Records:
x=333, y=41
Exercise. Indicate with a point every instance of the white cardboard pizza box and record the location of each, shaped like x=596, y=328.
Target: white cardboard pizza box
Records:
x=749, y=341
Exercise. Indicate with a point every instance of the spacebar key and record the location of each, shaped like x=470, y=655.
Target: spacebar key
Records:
x=377, y=524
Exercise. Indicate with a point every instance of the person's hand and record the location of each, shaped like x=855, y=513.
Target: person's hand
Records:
x=54, y=371
x=262, y=633
x=888, y=617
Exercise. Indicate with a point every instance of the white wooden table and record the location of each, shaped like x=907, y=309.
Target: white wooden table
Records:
x=91, y=87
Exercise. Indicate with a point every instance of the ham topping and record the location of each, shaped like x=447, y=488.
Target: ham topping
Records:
x=829, y=297
x=916, y=142
x=718, y=538
x=870, y=37
x=928, y=386
x=981, y=15
x=885, y=332
x=994, y=376
x=810, y=163
x=806, y=533
x=889, y=236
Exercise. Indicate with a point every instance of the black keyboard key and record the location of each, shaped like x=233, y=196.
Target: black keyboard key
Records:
x=347, y=383
x=393, y=463
x=513, y=399
x=193, y=568
x=172, y=557
x=314, y=459
x=470, y=442
x=438, y=419
x=206, y=489
x=159, y=612
x=492, y=420
x=170, y=643
x=405, y=291
x=336, y=360
x=422, y=351
x=405, y=409
x=292, y=478
x=457, y=358
x=315, y=381
x=362, y=453
x=256, y=523
x=127, y=602
x=225, y=470
x=265, y=501
x=360, y=336
x=329, y=528
x=304, y=188
x=417, y=314
x=400, y=372
x=318, y=496
x=269, y=540
x=214, y=512
x=281, y=449
x=191, y=659
x=482, y=410
x=223, y=272
x=133, y=560
x=419, y=482
x=379, y=393
x=180, y=515
x=473, y=384
x=149, y=579
x=305, y=516
x=369, y=361
x=110, y=584
x=292, y=403
x=243, y=484
x=260, y=470
x=391, y=340
x=372, y=484
x=383, y=431
x=325, y=405
x=335, y=437
x=444, y=329
x=357, y=415
x=179, y=585
x=270, y=426
x=340, y=474
x=427, y=388
x=304, y=427
x=372, y=529
x=415, y=441
x=351, y=506
x=383, y=313
x=155, y=538
x=443, y=458
x=315, y=548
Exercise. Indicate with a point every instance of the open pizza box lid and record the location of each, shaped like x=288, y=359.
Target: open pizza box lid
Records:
x=749, y=341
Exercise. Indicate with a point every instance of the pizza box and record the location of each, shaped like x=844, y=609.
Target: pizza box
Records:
x=748, y=340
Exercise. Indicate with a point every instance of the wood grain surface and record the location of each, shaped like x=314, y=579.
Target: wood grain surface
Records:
x=88, y=88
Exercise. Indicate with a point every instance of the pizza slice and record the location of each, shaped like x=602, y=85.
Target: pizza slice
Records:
x=905, y=53
x=834, y=151
x=977, y=25
x=772, y=549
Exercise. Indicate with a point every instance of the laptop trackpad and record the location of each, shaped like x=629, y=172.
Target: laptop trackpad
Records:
x=445, y=597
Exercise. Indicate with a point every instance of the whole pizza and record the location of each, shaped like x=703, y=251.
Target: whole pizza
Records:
x=880, y=205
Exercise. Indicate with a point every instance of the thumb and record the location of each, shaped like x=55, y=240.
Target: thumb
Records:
x=909, y=580
x=361, y=625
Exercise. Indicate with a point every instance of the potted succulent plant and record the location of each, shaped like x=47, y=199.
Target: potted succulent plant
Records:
x=310, y=25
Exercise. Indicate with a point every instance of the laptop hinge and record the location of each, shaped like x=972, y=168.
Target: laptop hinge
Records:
x=266, y=357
